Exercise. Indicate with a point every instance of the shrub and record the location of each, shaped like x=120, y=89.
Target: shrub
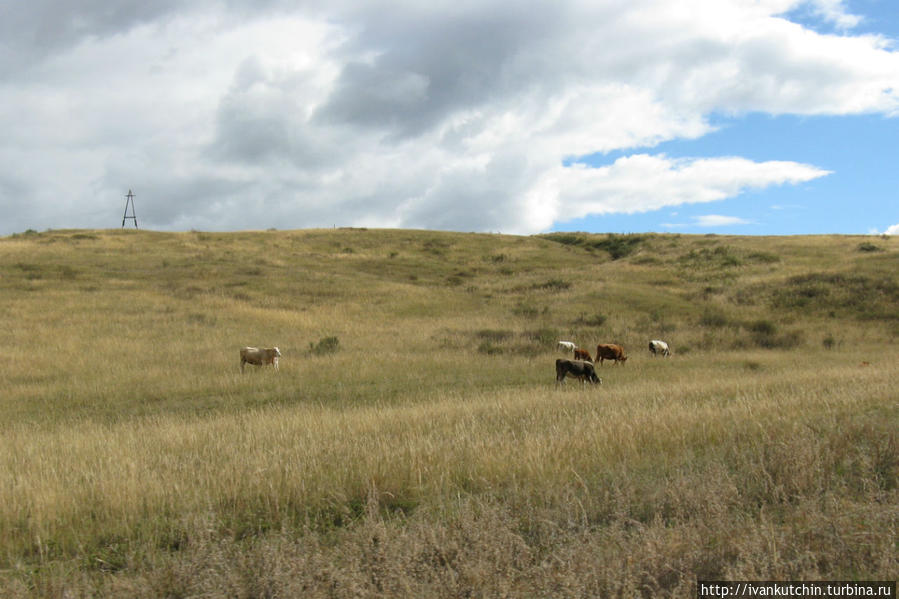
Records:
x=486, y=347
x=712, y=318
x=788, y=340
x=597, y=320
x=544, y=337
x=865, y=297
x=721, y=256
x=765, y=335
x=437, y=247
x=553, y=285
x=566, y=238
x=493, y=335
x=869, y=247
x=527, y=309
x=619, y=246
x=762, y=327
x=730, y=260
x=326, y=345
x=764, y=257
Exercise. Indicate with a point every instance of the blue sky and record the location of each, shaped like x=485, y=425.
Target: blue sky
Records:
x=858, y=197
x=860, y=151
x=689, y=116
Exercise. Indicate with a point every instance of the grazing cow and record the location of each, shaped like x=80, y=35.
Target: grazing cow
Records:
x=582, y=354
x=610, y=351
x=578, y=369
x=259, y=356
x=659, y=347
x=566, y=346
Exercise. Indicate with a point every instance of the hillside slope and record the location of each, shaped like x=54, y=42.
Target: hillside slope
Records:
x=413, y=441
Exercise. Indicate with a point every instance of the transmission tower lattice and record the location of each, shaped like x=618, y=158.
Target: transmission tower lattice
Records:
x=129, y=199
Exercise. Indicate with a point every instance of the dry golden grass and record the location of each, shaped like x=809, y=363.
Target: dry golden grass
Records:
x=432, y=454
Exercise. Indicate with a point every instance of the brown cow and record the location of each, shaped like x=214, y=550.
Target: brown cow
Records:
x=582, y=354
x=259, y=356
x=610, y=351
x=577, y=368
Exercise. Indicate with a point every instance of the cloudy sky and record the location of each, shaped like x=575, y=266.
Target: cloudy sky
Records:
x=693, y=116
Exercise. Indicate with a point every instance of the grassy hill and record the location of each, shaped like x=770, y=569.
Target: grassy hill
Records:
x=413, y=442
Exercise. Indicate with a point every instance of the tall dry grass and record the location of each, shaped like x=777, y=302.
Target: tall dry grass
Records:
x=432, y=454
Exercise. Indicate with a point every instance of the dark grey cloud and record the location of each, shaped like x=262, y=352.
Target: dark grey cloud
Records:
x=407, y=70
x=33, y=30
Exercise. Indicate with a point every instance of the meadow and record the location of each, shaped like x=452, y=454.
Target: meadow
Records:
x=413, y=442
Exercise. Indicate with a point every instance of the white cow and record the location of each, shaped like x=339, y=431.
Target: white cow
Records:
x=566, y=346
x=659, y=347
x=259, y=356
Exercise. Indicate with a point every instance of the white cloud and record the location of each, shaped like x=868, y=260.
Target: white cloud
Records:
x=457, y=115
x=893, y=230
x=835, y=12
x=717, y=220
x=643, y=182
x=709, y=221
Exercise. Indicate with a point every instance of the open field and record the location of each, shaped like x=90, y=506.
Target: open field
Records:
x=414, y=443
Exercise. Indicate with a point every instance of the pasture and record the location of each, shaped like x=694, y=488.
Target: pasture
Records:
x=413, y=442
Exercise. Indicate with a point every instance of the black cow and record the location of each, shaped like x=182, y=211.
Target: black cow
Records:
x=577, y=368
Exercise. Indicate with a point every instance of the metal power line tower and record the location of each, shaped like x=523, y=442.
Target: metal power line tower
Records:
x=129, y=199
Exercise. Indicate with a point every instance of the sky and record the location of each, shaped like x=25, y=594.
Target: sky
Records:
x=755, y=117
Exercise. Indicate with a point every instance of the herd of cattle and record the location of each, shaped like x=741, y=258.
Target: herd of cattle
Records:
x=582, y=366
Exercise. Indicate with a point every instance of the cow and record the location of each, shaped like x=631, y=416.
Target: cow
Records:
x=582, y=354
x=566, y=346
x=610, y=351
x=657, y=346
x=578, y=369
x=259, y=356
